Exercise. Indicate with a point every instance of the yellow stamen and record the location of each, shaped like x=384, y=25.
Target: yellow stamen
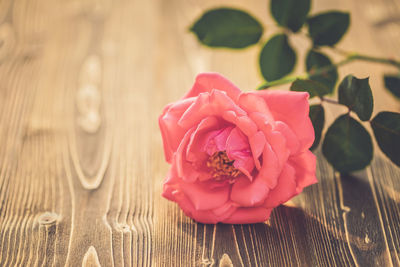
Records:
x=222, y=166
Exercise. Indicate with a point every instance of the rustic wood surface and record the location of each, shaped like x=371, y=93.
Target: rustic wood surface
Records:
x=81, y=163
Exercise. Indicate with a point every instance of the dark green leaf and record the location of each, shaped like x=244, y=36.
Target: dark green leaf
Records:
x=316, y=60
x=290, y=13
x=314, y=88
x=317, y=116
x=347, y=145
x=357, y=96
x=226, y=27
x=328, y=28
x=277, y=58
x=392, y=82
x=386, y=127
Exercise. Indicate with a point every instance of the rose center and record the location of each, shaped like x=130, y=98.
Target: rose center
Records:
x=222, y=167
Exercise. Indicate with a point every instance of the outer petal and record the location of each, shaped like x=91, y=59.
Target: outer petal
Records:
x=249, y=215
x=203, y=216
x=170, y=185
x=304, y=165
x=206, y=82
x=285, y=189
x=184, y=169
x=172, y=191
x=203, y=197
x=171, y=132
x=248, y=194
x=225, y=211
x=292, y=108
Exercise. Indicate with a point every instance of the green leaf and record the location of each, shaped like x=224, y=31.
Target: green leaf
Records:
x=317, y=116
x=386, y=127
x=316, y=60
x=392, y=82
x=347, y=145
x=356, y=94
x=290, y=13
x=314, y=88
x=328, y=28
x=277, y=58
x=226, y=27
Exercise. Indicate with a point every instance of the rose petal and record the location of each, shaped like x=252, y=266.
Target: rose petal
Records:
x=245, y=165
x=251, y=102
x=184, y=169
x=249, y=215
x=262, y=121
x=278, y=145
x=209, y=136
x=208, y=104
x=247, y=193
x=204, y=175
x=203, y=197
x=270, y=168
x=246, y=125
x=170, y=184
x=236, y=141
x=215, y=141
x=304, y=165
x=292, y=142
x=257, y=144
x=208, y=144
x=206, y=82
x=284, y=190
x=275, y=139
x=224, y=211
x=292, y=108
x=171, y=132
x=203, y=216
x=221, y=139
x=229, y=116
x=243, y=122
x=238, y=149
x=206, y=125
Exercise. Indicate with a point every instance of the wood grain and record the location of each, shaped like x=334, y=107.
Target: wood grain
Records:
x=81, y=163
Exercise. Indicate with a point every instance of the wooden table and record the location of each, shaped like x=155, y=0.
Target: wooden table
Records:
x=81, y=163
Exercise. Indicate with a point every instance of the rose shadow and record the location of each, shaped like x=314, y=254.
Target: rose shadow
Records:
x=296, y=234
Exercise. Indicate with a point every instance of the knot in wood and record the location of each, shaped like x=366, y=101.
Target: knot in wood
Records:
x=48, y=218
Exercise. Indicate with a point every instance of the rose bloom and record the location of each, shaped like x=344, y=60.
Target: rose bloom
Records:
x=236, y=155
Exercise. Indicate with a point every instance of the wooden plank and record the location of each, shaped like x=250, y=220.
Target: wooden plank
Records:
x=81, y=161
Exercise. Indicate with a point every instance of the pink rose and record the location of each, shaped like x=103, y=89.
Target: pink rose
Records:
x=236, y=155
